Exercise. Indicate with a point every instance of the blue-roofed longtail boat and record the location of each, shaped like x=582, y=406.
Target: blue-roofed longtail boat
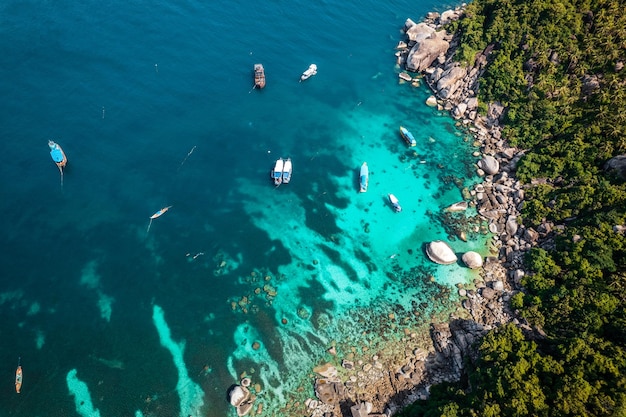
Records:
x=58, y=156
x=407, y=136
x=157, y=214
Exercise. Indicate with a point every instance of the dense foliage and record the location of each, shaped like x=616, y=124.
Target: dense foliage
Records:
x=556, y=67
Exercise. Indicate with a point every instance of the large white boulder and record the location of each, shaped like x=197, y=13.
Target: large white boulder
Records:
x=489, y=164
x=439, y=252
x=511, y=225
x=425, y=52
x=460, y=206
x=238, y=395
x=472, y=259
x=450, y=80
x=417, y=32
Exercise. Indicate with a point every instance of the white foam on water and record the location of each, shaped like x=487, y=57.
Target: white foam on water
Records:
x=105, y=304
x=10, y=296
x=40, y=339
x=91, y=279
x=82, y=397
x=35, y=307
x=190, y=394
x=89, y=275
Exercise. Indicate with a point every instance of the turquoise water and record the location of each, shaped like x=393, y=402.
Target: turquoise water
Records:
x=152, y=103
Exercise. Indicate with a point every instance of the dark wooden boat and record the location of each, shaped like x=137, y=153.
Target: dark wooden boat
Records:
x=259, y=76
x=18, y=377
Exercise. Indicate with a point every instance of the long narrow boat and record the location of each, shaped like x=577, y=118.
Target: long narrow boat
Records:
x=58, y=156
x=407, y=136
x=277, y=172
x=364, y=177
x=18, y=377
x=259, y=76
x=287, y=171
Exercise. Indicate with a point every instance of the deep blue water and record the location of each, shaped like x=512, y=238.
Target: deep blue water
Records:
x=152, y=103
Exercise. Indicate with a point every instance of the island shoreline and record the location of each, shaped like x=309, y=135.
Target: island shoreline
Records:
x=498, y=199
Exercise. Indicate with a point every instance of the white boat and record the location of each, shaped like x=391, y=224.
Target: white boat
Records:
x=364, y=177
x=287, y=171
x=311, y=71
x=395, y=203
x=277, y=172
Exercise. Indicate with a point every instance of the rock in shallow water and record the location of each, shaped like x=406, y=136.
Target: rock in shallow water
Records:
x=238, y=395
x=439, y=252
x=472, y=259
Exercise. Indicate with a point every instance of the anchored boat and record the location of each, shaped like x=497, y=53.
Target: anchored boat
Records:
x=259, y=76
x=364, y=177
x=407, y=136
x=277, y=172
x=287, y=171
x=311, y=71
x=395, y=203
x=58, y=156
x=18, y=377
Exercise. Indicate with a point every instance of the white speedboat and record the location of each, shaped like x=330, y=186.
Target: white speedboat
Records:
x=364, y=177
x=311, y=71
x=287, y=171
x=395, y=203
x=277, y=172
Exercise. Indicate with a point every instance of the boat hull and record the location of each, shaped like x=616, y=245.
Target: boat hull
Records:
x=287, y=168
x=407, y=136
x=277, y=172
x=395, y=203
x=57, y=154
x=18, y=379
x=259, y=76
x=364, y=177
x=312, y=70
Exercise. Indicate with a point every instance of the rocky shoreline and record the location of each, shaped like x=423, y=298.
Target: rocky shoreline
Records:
x=383, y=383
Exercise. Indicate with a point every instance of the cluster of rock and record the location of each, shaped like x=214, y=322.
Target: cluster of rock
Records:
x=382, y=384
x=441, y=253
x=385, y=386
x=241, y=398
x=428, y=50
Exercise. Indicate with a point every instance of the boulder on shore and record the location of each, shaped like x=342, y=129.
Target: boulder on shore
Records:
x=329, y=392
x=460, y=206
x=237, y=395
x=439, y=252
x=425, y=52
x=617, y=164
x=489, y=164
x=472, y=259
x=240, y=398
x=417, y=32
